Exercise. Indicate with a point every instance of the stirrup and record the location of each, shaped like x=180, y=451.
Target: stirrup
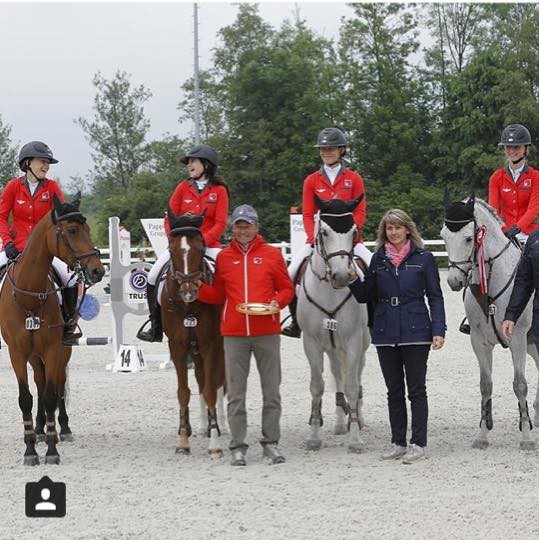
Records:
x=292, y=330
x=151, y=335
x=70, y=336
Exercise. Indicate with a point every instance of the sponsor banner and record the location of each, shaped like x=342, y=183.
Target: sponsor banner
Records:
x=155, y=231
x=297, y=234
x=135, y=283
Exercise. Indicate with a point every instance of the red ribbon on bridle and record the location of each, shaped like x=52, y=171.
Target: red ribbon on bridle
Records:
x=479, y=242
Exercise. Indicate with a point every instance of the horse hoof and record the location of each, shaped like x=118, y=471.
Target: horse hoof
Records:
x=31, y=460
x=355, y=448
x=313, y=444
x=216, y=454
x=183, y=451
x=66, y=437
x=340, y=429
x=481, y=444
x=52, y=460
x=527, y=445
x=40, y=437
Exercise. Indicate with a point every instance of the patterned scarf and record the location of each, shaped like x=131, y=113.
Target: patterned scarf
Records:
x=396, y=256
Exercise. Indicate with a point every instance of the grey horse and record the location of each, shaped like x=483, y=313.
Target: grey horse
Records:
x=333, y=322
x=472, y=233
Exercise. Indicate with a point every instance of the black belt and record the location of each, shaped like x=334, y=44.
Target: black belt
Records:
x=398, y=300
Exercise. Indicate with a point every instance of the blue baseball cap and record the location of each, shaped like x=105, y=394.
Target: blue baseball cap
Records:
x=244, y=212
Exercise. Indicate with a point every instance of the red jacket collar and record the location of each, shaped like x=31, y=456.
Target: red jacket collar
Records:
x=257, y=242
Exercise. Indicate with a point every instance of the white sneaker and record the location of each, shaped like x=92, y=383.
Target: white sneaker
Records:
x=272, y=452
x=395, y=452
x=413, y=454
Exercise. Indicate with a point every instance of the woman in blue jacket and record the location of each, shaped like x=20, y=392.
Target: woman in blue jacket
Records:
x=401, y=274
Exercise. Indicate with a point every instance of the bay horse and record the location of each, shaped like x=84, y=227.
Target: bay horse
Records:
x=30, y=318
x=333, y=322
x=478, y=251
x=192, y=327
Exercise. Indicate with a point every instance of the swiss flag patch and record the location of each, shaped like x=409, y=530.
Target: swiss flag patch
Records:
x=212, y=197
x=257, y=260
x=45, y=196
x=347, y=183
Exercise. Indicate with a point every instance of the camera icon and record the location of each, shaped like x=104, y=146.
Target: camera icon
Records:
x=45, y=498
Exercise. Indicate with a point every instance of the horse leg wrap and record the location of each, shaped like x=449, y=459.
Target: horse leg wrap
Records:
x=212, y=424
x=340, y=401
x=527, y=414
x=185, y=424
x=29, y=433
x=486, y=414
x=316, y=413
x=353, y=418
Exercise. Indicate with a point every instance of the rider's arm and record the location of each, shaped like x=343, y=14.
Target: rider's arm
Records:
x=6, y=205
x=522, y=289
x=494, y=193
x=532, y=212
x=360, y=212
x=309, y=209
x=221, y=217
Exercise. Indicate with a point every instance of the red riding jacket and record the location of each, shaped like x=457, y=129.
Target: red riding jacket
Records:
x=27, y=210
x=258, y=275
x=347, y=186
x=213, y=198
x=517, y=203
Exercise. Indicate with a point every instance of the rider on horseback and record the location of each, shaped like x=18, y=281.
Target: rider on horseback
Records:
x=332, y=181
x=513, y=190
x=29, y=198
x=204, y=193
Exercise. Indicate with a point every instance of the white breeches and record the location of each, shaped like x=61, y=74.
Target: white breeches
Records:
x=165, y=257
x=359, y=249
x=67, y=277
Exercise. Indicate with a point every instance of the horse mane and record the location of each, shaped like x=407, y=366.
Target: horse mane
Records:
x=489, y=210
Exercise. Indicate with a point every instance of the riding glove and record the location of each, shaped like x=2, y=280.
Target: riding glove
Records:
x=512, y=232
x=11, y=251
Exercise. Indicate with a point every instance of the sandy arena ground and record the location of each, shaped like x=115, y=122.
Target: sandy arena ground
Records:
x=125, y=481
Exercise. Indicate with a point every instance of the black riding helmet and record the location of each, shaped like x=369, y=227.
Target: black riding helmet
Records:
x=515, y=135
x=202, y=151
x=330, y=137
x=34, y=149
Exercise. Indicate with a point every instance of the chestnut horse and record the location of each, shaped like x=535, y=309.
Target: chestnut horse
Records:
x=192, y=327
x=31, y=320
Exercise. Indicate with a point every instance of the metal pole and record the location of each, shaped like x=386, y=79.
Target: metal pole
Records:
x=196, y=77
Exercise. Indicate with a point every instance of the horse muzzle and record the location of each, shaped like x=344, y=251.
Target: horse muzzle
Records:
x=456, y=283
x=94, y=274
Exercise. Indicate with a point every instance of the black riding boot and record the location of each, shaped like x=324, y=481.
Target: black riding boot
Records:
x=293, y=329
x=155, y=332
x=70, y=297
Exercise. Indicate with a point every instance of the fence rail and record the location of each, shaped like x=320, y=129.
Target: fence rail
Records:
x=147, y=253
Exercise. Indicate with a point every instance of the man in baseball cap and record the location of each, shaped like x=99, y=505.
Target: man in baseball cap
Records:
x=251, y=271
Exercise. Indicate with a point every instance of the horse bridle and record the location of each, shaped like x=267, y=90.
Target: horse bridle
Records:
x=76, y=266
x=472, y=259
x=321, y=248
x=191, y=278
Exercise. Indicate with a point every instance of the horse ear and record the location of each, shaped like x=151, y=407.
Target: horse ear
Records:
x=447, y=199
x=57, y=202
x=470, y=203
x=76, y=200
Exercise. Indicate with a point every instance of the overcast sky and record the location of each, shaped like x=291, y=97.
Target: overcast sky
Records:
x=49, y=53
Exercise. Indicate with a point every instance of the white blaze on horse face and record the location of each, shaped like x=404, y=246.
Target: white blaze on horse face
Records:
x=459, y=245
x=186, y=247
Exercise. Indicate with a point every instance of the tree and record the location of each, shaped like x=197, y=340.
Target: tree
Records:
x=118, y=131
x=8, y=154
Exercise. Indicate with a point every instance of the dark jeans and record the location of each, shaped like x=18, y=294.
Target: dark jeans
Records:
x=408, y=361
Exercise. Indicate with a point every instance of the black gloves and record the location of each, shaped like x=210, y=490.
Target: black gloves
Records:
x=11, y=251
x=512, y=232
